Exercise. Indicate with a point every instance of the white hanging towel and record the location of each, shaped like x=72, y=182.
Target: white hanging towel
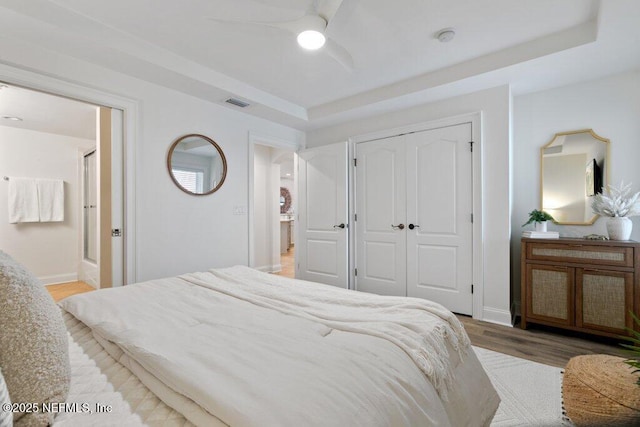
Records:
x=51, y=199
x=23, y=200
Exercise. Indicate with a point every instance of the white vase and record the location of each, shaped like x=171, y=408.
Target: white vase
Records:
x=541, y=226
x=619, y=228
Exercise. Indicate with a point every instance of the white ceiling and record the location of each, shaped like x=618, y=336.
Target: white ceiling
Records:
x=398, y=62
x=47, y=113
x=286, y=165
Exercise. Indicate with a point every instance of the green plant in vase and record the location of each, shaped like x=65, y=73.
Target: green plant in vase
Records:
x=539, y=217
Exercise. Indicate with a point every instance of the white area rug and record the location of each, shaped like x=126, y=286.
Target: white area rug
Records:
x=531, y=392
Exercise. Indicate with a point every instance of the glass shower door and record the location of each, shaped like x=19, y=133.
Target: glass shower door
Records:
x=90, y=205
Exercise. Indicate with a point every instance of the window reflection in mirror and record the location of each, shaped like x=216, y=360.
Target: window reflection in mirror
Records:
x=573, y=169
x=196, y=164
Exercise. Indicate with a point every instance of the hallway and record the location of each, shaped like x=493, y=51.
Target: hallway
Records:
x=287, y=261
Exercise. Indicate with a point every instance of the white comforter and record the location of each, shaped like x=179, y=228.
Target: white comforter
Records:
x=250, y=349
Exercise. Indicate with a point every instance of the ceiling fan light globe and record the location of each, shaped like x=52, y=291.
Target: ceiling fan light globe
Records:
x=311, y=39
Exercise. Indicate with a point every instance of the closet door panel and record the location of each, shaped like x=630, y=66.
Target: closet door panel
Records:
x=439, y=207
x=380, y=206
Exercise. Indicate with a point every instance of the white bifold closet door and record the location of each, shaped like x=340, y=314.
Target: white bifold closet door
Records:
x=381, y=241
x=414, y=206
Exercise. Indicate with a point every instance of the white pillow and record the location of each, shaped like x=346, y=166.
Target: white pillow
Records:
x=6, y=417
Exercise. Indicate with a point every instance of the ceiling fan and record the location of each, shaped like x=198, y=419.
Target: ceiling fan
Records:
x=313, y=29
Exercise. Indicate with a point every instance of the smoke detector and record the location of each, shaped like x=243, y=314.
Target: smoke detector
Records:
x=446, y=35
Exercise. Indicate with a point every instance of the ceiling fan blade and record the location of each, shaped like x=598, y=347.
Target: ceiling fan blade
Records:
x=291, y=26
x=336, y=11
x=339, y=53
x=328, y=8
x=281, y=4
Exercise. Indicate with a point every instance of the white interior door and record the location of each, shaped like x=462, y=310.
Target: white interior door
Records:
x=322, y=246
x=439, y=207
x=381, y=210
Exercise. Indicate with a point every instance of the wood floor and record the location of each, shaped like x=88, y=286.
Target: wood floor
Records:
x=63, y=290
x=287, y=261
x=539, y=344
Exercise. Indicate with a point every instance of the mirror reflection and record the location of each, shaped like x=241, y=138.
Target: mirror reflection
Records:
x=197, y=164
x=573, y=169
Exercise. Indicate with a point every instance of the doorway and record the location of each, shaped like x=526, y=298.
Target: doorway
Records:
x=287, y=203
x=273, y=207
x=48, y=140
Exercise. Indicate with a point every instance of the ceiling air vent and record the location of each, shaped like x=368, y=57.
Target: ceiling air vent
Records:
x=237, y=102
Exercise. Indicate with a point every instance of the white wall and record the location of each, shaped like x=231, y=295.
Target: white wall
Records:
x=175, y=232
x=495, y=105
x=266, y=210
x=178, y=232
x=609, y=106
x=50, y=250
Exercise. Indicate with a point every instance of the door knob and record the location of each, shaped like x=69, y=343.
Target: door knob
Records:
x=339, y=226
x=412, y=226
x=398, y=227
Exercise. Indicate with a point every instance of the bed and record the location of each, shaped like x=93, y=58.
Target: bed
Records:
x=239, y=347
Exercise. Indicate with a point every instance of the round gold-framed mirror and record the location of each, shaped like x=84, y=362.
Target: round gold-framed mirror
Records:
x=285, y=200
x=197, y=164
x=574, y=166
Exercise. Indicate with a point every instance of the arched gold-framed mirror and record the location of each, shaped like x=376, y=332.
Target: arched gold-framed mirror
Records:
x=574, y=166
x=197, y=164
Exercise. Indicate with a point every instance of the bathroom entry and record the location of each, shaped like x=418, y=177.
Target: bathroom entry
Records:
x=102, y=238
x=47, y=138
x=103, y=207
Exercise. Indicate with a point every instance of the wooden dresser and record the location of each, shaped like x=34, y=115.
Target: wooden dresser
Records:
x=583, y=285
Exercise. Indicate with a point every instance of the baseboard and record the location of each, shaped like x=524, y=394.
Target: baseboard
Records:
x=494, y=315
x=91, y=283
x=59, y=278
x=88, y=273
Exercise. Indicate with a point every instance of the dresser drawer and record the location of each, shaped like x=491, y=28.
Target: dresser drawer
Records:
x=578, y=253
